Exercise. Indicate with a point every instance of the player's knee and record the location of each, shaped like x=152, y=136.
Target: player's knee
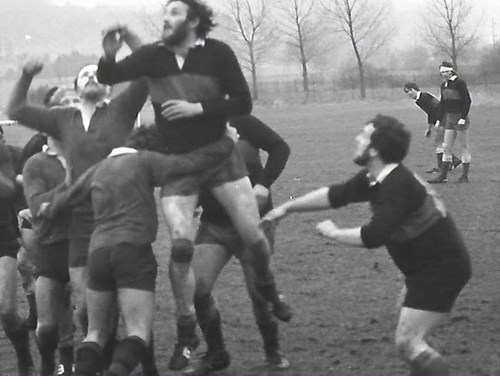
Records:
x=182, y=251
x=8, y=317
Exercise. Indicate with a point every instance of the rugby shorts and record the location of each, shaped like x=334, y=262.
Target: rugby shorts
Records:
x=51, y=261
x=122, y=265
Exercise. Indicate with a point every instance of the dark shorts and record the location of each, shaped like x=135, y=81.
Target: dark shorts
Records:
x=122, y=266
x=450, y=122
x=9, y=242
x=231, y=169
x=78, y=252
x=228, y=237
x=52, y=261
x=436, y=288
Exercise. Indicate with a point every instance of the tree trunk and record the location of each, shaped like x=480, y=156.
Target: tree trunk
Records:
x=253, y=68
x=305, y=77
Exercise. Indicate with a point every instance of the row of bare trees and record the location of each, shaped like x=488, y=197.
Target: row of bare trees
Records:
x=303, y=25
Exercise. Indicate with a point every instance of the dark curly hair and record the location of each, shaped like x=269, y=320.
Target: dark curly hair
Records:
x=390, y=138
x=144, y=138
x=199, y=10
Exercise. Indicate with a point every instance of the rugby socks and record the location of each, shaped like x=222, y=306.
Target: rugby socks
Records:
x=47, y=340
x=465, y=171
x=88, y=359
x=33, y=314
x=148, y=361
x=20, y=340
x=269, y=332
x=439, y=157
x=128, y=354
x=186, y=329
x=429, y=363
x=209, y=320
x=66, y=356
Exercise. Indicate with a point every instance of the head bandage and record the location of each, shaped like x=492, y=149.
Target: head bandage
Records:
x=445, y=69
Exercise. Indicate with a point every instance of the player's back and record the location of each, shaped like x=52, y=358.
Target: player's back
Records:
x=123, y=201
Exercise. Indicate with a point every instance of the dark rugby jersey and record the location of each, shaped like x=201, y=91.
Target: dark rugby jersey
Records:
x=254, y=136
x=121, y=187
x=407, y=217
x=42, y=175
x=109, y=127
x=429, y=103
x=211, y=75
x=8, y=216
x=455, y=98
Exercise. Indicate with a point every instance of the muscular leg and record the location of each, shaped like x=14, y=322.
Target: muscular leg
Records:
x=25, y=259
x=137, y=307
x=78, y=277
x=101, y=305
x=178, y=212
x=413, y=327
x=13, y=325
x=50, y=296
x=463, y=141
x=66, y=329
x=208, y=262
x=238, y=200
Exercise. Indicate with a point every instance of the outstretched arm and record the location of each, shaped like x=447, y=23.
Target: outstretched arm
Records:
x=351, y=236
x=312, y=201
x=38, y=118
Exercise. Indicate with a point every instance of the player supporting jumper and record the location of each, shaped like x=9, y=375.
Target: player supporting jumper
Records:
x=429, y=104
x=412, y=222
x=453, y=113
x=195, y=84
x=217, y=241
x=121, y=261
x=14, y=326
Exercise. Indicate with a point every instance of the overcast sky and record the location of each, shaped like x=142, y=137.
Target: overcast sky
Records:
x=491, y=8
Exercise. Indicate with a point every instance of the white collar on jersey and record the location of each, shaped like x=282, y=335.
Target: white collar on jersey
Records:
x=121, y=150
x=382, y=174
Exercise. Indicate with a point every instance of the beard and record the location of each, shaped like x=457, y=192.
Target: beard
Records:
x=176, y=35
x=363, y=159
x=94, y=94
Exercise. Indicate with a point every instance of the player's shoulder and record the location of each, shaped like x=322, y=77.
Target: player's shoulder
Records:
x=35, y=161
x=216, y=44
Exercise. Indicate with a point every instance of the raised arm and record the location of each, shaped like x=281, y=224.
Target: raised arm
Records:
x=132, y=67
x=35, y=117
x=132, y=99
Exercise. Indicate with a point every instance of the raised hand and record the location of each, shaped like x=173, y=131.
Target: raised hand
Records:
x=32, y=67
x=232, y=133
x=112, y=40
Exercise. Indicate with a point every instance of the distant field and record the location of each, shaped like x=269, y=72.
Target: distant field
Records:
x=345, y=298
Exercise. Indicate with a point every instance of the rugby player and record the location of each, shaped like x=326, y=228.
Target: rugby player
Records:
x=14, y=325
x=217, y=241
x=412, y=222
x=429, y=104
x=195, y=84
x=87, y=134
x=121, y=260
x=453, y=113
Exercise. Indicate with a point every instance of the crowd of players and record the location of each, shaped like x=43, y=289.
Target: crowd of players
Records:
x=89, y=176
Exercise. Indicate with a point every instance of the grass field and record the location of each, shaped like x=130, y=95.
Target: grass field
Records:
x=345, y=298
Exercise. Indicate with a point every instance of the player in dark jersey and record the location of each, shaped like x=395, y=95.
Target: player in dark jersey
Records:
x=14, y=326
x=453, y=113
x=412, y=222
x=430, y=104
x=121, y=261
x=195, y=84
x=217, y=241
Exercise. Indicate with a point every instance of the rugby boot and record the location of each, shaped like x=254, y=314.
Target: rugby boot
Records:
x=210, y=362
x=281, y=310
x=277, y=361
x=188, y=341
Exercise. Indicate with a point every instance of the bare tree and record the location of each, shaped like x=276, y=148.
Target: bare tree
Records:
x=251, y=24
x=304, y=33
x=363, y=22
x=449, y=26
